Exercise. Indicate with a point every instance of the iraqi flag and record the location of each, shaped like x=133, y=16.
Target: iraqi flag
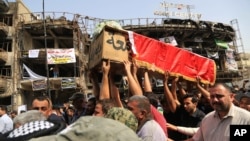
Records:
x=160, y=57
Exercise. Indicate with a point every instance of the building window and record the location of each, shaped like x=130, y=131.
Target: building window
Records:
x=5, y=71
x=6, y=45
x=7, y=19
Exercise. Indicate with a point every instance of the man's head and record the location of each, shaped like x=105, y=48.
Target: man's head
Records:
x=3, y=110
x=244, y=102
x=78, y=100
x=43, y=104
x=140, y=107
x=102, y=107
x=13, y=114
x=70, y=111
x=66, y=105
x=221, y=97
x=190, y=102
x=90, y=108
x=153, y=99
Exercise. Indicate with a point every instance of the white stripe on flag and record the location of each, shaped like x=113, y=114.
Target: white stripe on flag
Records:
x=132, y=41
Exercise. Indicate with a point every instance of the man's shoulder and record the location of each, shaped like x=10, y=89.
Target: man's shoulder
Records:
x=209, y=115
x=240, y=112
x=6, y=118
x=55, y=118
x=151, y=123
x=152, y=128
x=200, y=112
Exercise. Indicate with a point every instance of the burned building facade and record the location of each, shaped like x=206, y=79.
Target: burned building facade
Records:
x=47, y=53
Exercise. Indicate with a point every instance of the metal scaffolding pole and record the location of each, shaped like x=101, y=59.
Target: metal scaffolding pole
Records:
x=45, y=45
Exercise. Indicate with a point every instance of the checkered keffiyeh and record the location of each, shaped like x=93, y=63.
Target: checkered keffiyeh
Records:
x=29, y=128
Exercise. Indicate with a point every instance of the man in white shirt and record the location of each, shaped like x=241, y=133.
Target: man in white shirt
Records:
x=6, y=123
x=215, y=126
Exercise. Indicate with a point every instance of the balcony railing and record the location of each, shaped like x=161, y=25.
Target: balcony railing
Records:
x=4, y=5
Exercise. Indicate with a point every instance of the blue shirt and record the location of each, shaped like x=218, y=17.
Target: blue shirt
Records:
x=6, y=124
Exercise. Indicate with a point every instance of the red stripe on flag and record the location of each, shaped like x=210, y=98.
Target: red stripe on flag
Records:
x=165, y=57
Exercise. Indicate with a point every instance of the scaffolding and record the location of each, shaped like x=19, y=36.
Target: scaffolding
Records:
x=239, y=48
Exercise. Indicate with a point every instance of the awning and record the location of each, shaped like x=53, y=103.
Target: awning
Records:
x=221, y=44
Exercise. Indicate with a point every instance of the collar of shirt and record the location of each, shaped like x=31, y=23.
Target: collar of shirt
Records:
x=229, y=114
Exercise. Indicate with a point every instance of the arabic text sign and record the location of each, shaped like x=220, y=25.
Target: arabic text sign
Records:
x=110, y=44
x=178, y=7
x=33, y=53
x=39, y=84
x=61, y=56
x=230, y=63
x=177, y=14
x=68, y=83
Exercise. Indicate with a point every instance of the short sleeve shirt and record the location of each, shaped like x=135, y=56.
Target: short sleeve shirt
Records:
x=213, y=128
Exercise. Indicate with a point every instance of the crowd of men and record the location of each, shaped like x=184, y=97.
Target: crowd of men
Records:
x=191, y=111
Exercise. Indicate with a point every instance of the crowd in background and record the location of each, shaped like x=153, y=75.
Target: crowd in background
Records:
x=183, y=111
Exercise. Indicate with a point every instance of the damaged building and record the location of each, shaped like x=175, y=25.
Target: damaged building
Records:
x=25, y=39
x=46, y=53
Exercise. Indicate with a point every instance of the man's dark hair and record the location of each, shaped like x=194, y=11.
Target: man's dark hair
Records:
x=42, y=98
x=106, y=104
x=92, y=99
x=195, y=99
x=224, y=85
x=153, y=99
x=3, y=108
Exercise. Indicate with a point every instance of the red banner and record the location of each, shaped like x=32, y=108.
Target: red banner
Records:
x=160, y=57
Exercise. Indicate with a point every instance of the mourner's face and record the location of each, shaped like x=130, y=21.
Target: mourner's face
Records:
x=98, y=110
x=1, y=112
x=79, y=103
x=90, y=108
x=244, y=102
x=189, y=105
x=133, y=107
x=221, y=98
x=70, y=112
x=43, y=106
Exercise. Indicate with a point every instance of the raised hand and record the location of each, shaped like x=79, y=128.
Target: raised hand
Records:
x=134, y=67
x=127, y=66
x=166, y=75
x=106, y=67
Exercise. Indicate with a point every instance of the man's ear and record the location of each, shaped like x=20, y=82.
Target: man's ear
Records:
x=144, y=113
x=232, y=95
